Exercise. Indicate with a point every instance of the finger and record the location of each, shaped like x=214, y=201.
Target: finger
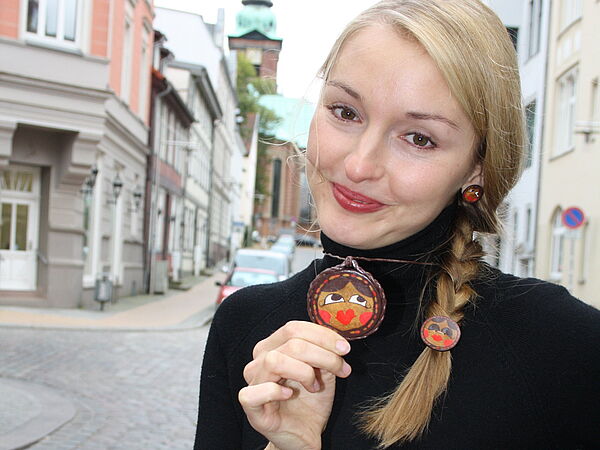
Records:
x=311, y=332
x=275, y=366
x=311, y=354
x=254, y=398
x=260, y=404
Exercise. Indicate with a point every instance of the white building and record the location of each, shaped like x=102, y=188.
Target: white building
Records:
x=515, y=248
x=197, y=44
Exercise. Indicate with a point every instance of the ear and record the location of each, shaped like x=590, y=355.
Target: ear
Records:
x=474, y=177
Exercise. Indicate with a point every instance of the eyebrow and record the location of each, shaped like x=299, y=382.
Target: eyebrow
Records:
x=351, y=92
x=425, y=116
x=411, y=114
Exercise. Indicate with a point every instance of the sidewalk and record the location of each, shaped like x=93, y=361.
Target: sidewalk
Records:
x=29, y=411
x=174, y=310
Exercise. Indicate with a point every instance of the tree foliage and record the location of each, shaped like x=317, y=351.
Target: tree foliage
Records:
x=250, y=87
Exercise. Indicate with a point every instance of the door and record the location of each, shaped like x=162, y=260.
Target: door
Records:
x=19, y=206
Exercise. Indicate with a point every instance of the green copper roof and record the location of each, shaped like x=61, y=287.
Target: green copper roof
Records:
x=256, y=17
x=295, y=114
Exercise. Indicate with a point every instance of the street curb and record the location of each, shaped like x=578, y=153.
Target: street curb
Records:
x=55, y=411
x=196, y=320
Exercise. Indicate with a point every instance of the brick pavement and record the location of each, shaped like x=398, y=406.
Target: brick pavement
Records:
x=131, y=390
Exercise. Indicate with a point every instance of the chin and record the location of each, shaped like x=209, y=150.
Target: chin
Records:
x=349, y=237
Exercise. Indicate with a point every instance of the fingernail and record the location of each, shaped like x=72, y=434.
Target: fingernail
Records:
x=342, y=347
x=346, y=369
x=316, y=386
x=287, y=392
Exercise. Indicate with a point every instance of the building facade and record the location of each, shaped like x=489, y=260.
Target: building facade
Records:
x=513, y=251
x=166, y=178
x=194, y=86
x=571, y=150
x=74, y=109
x=196, y=45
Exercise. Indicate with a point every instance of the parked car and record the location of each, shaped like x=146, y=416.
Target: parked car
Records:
x=283, y=249
x=263, y=259
x=286, y=240
x=244, y=276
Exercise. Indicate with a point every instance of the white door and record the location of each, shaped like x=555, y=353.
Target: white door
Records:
x=19, y=206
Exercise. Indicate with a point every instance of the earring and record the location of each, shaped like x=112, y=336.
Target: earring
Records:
x=473, y=193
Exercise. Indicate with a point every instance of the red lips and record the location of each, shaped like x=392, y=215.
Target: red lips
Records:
x=353, y=201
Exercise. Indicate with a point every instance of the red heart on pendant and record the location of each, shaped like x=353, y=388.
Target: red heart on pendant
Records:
x=345, y=317
x=365, y=317
x=325, y=316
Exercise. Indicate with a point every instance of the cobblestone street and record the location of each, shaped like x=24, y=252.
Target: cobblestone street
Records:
x=132, y=390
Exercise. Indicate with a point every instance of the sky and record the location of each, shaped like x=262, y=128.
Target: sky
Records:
x=308, y=29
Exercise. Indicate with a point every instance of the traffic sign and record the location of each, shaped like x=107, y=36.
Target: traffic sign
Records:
x=573, y=218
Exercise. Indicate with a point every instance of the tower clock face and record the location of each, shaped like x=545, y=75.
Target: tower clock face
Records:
x=254, y=55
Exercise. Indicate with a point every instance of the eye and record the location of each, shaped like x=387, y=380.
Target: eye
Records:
x=433, y=327
x=358, y=300
x=447, y=332
x=333, y=298
x=343, y=113
x=419, y=140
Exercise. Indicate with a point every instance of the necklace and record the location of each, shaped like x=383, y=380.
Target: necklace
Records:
x=349, y=300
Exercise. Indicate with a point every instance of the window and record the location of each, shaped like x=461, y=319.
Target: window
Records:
x=557, y=246
x=55, y=21
x=565, y=120
x=528, y=229
x=595, y=104
x=513, y=32
x=530, y=123
x=585, y=253
x=276, y=187
x=515, y=242
x=144, y=77
x=571, y=11
x=535, y=25
x=161, y=217
x=126, y=62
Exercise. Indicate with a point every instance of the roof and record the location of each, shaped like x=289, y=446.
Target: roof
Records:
x=296, y=115
x=256, y=16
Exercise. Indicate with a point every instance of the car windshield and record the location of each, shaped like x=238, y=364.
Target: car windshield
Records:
x=242, y=278
x=261, y=262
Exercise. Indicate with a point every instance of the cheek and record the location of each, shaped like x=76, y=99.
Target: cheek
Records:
x=326, y=145
x=432, y=185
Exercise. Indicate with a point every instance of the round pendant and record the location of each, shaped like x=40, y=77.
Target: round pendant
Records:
x=440, y=333
x=347, y=299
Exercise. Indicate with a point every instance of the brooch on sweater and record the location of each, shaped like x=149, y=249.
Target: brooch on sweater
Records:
x=349, y=300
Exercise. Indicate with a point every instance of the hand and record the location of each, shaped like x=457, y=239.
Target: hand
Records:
x=291, y=384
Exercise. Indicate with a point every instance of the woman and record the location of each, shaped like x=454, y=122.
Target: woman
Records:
x=415, y=142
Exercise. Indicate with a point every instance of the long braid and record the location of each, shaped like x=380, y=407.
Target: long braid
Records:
x=404, y=414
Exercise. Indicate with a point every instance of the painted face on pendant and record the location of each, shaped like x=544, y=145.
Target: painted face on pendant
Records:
x=440, y=333
x=348, y=301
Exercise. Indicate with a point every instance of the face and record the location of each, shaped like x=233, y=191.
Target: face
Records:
x=440, y=333
x=346, y=300
x=389, y=146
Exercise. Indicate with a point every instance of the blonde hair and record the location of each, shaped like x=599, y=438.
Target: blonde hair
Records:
x=473, y=51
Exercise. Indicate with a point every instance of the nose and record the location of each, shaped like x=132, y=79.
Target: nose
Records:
x=365, y=160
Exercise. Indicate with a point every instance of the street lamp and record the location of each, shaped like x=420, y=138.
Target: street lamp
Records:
x=90, y=181
x=117, y=185
x=137, y=197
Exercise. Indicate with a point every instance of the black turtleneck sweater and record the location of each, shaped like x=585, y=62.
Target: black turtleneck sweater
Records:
x=525, y=374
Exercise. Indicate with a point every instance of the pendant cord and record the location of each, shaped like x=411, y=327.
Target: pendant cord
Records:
x=364, y=258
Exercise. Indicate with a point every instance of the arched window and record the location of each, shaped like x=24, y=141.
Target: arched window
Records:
x=557, y=245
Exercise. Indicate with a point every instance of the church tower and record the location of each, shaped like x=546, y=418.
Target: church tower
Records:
x=256, y=37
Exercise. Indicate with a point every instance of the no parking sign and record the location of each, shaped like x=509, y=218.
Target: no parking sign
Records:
x=573, y=218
